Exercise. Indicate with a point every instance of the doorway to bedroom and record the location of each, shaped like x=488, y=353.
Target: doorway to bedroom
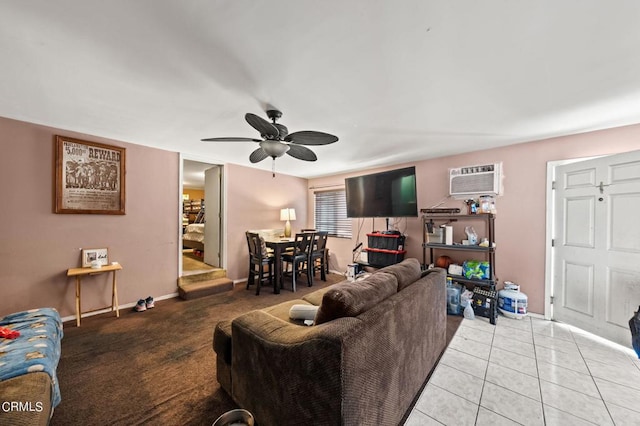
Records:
x=201, y=213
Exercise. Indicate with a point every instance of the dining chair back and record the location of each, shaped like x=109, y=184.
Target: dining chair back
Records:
x=258, y=259
x=319, y=254
x=300, y=258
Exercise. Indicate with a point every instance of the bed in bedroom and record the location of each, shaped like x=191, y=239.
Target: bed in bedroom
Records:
x=193, y=237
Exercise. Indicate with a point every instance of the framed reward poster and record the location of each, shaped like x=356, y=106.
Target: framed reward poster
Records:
x=89, y=177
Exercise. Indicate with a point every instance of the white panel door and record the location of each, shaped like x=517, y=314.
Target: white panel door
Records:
x=212, y=227
x=596, y=255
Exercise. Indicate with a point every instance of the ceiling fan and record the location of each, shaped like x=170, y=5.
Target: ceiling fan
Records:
x=276, y=139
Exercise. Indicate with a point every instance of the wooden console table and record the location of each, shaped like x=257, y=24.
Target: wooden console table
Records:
x=81, y=272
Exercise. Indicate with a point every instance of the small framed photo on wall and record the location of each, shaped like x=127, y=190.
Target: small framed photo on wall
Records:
x=96, y=257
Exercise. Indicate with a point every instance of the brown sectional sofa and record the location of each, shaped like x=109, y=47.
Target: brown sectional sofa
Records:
x=374, y=344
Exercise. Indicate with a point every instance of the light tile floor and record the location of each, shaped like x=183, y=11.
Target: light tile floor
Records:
x=530, y=372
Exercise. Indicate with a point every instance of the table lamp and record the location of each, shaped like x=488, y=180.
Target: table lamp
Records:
x=288, y=215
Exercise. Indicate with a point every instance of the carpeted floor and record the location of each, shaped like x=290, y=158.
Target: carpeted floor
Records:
x=157, y=366
x=191, y=262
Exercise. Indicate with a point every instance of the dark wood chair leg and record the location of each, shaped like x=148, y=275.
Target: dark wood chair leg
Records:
x=311, y=270
x=259, y=283
x=323, y=274
x=326, y=259
x=294, y=274
x=250, y=277
x=271, y=280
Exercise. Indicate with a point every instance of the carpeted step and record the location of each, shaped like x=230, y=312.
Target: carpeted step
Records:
x=197, y=289
x=202, y=276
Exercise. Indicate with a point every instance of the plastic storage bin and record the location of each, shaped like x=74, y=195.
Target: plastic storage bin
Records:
x=383, y=257
x=385, y=241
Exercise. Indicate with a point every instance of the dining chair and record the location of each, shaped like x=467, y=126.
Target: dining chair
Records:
x=300, y=258
x=319, y=254
x=258, y=259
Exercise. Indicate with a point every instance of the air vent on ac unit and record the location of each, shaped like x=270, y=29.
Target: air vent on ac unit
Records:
x=475, y=180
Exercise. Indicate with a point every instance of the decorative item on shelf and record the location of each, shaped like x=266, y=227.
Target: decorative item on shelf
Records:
x=472, y=206
x=95, y=258
x=472, y=236
x=487, y=204
x=287, y=215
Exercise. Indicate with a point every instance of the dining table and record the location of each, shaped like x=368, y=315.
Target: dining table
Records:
x=279, y=246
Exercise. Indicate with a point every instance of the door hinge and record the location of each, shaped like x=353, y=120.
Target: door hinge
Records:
x=553, y=185
x=553, y=242
x=552, y=298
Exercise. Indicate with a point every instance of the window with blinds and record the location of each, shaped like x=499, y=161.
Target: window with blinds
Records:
x=331, y=213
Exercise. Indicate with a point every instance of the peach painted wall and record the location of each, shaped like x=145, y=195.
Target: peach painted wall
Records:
x=37, y=246
x=521, y=219
x=254, y=199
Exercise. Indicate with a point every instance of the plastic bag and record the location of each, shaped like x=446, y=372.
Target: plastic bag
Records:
x=468, y=311
x=471, y=235
x=476, y=269
x=465, y=296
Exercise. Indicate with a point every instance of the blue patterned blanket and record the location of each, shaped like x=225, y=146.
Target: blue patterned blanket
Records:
x=36, y=349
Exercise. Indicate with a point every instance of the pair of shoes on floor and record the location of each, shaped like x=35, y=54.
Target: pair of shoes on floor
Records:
x=144, y=304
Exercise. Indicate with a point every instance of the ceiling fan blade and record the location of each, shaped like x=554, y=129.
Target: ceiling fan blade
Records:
x=265, y=128
x=301, y=153
x=310, y=137
x=258, y=155
x=231, y=140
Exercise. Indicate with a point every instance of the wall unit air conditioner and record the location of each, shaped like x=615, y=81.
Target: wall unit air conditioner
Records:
x=475, y=180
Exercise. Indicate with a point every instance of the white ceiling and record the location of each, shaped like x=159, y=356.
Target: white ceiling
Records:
x=396, y=81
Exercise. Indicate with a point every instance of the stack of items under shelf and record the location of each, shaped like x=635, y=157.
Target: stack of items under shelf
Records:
x=385, y=249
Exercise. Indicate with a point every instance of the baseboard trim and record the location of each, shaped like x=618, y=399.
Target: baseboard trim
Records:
x=107, y=310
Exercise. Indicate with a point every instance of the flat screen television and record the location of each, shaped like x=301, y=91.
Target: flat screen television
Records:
x=385, y=194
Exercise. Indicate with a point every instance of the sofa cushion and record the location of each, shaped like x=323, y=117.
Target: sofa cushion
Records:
x=282, y=310
x=350, y=299
x=406, y=272
x=315, y=298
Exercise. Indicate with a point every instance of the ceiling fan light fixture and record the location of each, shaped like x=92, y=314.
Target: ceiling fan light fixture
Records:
x=277, y=141
x=274, y=149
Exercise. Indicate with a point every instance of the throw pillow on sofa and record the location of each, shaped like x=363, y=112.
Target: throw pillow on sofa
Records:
x=407, y=272
x=303, y=312
x=350, y=299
